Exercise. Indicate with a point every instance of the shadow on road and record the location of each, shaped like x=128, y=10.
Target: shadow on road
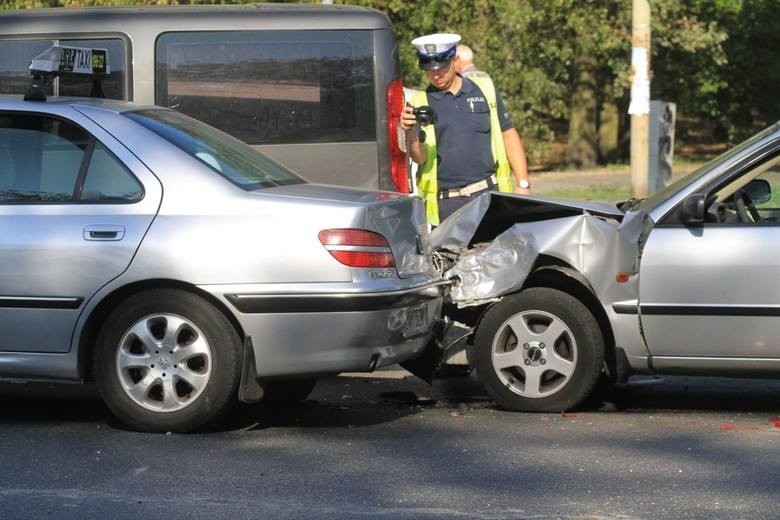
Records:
x=687, y=393
x=360, y=401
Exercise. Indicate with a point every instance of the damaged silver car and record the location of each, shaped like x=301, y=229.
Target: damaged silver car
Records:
x=559, y=292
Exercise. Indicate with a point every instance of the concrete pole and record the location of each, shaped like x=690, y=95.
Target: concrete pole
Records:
x=640, y=97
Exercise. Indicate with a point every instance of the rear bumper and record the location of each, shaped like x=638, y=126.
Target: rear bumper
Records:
x=309, y=334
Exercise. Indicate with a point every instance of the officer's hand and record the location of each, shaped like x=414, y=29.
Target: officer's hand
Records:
x=407, y=118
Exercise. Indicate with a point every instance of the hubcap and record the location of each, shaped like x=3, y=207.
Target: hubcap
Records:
x=163, y=362
x=534, y=354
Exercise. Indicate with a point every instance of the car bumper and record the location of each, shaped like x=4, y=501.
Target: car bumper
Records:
x=309, y=334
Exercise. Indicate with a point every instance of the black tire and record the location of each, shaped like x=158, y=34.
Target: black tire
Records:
x=540, y=350
x=279, y=393
x=183, y=375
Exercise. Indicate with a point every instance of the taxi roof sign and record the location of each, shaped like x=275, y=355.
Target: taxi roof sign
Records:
x=64, y=60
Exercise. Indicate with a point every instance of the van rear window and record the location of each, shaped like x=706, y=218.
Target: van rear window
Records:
x=271, y=87
x=16, y=55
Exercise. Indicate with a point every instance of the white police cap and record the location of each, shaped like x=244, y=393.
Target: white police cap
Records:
x=434, y=51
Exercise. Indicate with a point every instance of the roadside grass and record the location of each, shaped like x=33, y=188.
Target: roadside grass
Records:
x=610, y=182
x=590, y=193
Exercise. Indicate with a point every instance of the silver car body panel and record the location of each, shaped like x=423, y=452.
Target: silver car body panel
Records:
x=725, y=287
x=249, y=249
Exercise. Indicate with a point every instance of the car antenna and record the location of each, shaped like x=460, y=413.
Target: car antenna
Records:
x=62, y=60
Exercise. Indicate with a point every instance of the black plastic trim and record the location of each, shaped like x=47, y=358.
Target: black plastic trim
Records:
x=21, y=302
x=699, y=310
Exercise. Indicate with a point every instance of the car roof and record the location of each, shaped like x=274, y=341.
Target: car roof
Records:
x=16, y=101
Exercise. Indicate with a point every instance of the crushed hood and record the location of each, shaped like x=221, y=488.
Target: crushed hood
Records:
x=494, y=242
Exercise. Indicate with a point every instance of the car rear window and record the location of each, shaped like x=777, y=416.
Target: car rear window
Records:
x=271, y=87
x=226, y=155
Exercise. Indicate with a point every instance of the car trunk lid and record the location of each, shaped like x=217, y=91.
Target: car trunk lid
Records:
x=397, y=217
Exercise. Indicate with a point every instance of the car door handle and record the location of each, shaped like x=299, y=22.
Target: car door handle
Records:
x=105, y=232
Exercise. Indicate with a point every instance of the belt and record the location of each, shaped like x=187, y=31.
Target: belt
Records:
x=468, y=189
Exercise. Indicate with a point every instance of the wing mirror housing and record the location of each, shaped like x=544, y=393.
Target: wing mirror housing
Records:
x=758, y=191
x=693, y=209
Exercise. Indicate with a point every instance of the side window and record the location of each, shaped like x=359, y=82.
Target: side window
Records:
x=44, y=159
x=16, y=55
x=763, y=193
x=108, y=180
x=753, y=198
x=271, y=87
x=40, y=158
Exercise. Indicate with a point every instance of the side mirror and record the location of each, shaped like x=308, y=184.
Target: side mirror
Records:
x=693, y=209
x=758, y=191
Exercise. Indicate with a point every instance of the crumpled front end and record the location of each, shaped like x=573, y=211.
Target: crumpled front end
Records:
x=490, y=246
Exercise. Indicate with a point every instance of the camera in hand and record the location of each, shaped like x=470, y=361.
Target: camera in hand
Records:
x=425, y=115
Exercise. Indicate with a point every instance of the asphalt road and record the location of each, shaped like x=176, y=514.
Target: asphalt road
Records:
x=390, y=446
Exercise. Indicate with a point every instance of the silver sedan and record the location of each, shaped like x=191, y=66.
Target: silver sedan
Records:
x=559, y=292
x=182, y=269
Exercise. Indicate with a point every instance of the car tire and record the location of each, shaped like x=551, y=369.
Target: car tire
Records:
x=285, y=392
x=540, y=350
x=167, y=361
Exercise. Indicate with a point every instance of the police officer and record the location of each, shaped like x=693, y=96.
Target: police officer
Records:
x=472, y=147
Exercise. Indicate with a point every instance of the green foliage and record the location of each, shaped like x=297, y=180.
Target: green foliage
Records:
x=714, y=58
x=34, y=4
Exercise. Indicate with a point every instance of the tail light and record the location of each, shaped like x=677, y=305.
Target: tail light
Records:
x=357, y=247
x=399, y=165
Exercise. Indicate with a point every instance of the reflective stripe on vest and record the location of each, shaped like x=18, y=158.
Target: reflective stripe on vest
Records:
x=427, y=180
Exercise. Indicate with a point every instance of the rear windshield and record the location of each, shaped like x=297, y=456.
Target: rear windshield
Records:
x=272, y=87
x=226, y=155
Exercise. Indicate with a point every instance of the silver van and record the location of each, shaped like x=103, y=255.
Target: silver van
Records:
x=316, y=87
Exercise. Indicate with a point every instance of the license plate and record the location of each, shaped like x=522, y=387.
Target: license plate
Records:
x=416, y=321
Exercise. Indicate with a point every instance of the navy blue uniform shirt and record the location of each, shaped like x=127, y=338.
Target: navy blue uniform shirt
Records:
x=463, y=134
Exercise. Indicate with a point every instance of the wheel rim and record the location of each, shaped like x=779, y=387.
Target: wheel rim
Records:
x=534, y=354
x=163, y=362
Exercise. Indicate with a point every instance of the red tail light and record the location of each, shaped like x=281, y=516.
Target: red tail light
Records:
x=357, y=247
x=399, y=166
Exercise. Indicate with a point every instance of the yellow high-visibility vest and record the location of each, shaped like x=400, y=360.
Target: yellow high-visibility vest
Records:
x=427, y=180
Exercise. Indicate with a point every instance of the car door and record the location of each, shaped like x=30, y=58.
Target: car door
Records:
x=713, y=290
x=71, y=217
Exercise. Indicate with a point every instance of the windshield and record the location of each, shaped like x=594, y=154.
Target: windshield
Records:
x=226, y=155
x=661, y=195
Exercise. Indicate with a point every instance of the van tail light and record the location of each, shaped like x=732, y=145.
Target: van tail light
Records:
x=357, y=247
x=399, y=165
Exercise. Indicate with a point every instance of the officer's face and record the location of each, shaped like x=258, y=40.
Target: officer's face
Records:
x=442, y=78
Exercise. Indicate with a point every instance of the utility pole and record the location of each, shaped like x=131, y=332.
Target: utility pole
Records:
x=640, y=97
